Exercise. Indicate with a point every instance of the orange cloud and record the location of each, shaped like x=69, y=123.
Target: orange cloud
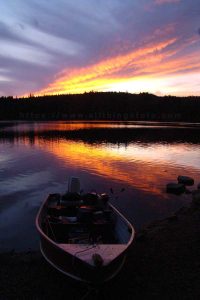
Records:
x=155, y=59
x=103, y=73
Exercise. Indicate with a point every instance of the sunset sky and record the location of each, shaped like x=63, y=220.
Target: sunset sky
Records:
x=73, y=46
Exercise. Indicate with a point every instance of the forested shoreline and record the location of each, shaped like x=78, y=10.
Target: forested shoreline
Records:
x=101, y=106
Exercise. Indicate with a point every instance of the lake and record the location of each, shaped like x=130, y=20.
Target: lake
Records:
x=37, y=158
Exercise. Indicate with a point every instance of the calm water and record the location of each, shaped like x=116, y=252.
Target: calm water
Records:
x=37, y=159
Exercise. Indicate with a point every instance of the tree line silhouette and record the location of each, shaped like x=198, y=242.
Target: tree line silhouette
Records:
x=101, y=106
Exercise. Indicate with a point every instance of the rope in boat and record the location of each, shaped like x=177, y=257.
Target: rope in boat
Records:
x=89, y=248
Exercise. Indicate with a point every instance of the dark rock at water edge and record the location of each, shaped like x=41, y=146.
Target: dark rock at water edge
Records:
x=175, y=188
x=186, y=180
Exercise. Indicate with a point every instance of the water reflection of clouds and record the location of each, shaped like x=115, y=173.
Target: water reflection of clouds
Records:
x=23, y=182
x=147, y=169
x=179, y=154
x=147, y=166
x=17, y=225
x=5, y=157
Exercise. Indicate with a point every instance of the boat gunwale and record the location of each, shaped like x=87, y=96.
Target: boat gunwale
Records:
x=77, y=277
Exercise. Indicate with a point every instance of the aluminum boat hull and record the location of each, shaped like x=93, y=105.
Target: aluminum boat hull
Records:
x=66, y=260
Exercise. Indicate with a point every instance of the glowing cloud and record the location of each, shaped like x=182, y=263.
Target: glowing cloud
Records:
x=105, y=73
x=144, y=69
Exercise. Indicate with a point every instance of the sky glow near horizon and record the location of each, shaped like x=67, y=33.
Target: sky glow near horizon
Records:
x=57, y=46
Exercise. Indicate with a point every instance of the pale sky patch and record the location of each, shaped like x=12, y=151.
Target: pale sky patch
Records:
x=160, y=2
x=23, y=52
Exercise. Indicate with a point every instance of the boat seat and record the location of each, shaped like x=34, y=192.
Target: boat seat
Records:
x=70, y=203
x=59, y=210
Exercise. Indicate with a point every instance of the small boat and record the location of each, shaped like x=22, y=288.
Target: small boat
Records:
x=83, y=235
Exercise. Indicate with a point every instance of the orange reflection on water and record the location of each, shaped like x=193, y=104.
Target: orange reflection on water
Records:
x=144, y=169
x=70, y=126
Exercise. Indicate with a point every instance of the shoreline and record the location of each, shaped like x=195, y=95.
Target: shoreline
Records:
x=9, y=122
x=162, y=263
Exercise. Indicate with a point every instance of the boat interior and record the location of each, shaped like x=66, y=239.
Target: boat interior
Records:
x=83, y=219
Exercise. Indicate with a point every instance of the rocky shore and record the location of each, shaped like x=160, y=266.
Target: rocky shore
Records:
x=163, y=263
